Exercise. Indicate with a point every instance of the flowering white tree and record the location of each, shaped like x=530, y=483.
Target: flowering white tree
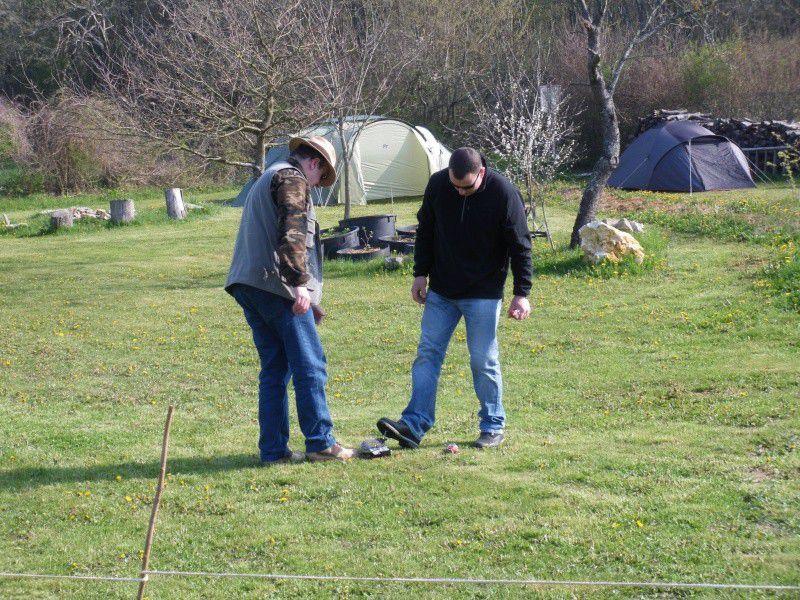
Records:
x=527, y=129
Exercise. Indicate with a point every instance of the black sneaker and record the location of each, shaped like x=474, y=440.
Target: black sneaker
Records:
x=397, y=430
x=489, y=439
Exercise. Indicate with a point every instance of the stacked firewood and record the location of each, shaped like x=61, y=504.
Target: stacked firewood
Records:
x=744, y=133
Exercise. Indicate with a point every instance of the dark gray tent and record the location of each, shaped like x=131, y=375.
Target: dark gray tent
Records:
x=681, y=156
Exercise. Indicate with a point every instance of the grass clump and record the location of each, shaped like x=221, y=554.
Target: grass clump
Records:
x=569, y=262
x=781, y=277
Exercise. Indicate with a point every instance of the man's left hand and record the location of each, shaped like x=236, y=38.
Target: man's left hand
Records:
x=520, y=308
x=319, y=314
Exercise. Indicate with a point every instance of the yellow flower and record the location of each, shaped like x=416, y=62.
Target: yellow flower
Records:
x=639, y=524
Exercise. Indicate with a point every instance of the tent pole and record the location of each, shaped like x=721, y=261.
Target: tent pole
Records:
x=690, y=166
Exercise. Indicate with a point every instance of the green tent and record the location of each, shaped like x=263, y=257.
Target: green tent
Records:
x=391, y=159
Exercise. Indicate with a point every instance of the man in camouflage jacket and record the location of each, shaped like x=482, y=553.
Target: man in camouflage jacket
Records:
x=276, y=277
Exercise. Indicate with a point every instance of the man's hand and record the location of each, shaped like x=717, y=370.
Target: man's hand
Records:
x=302, y=301
x=419, y=289
x=520, y=308
x=319, y=314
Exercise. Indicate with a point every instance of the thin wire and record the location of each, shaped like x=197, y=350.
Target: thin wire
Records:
x=50, y=576
x=435, y=580
x=644, y=160
x=759, y=173
x=452, y=580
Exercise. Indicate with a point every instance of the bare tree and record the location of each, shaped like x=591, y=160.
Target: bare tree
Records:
x=461, y=45
x=357, y=68
x=526, y=127
x=220, y=80
x=651, y=17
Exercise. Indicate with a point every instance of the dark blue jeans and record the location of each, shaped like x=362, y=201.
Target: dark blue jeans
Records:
x=289, y=347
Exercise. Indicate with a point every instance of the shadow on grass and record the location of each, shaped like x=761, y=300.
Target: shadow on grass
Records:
x=561, y=262
x=27, y=477
x=342, y=268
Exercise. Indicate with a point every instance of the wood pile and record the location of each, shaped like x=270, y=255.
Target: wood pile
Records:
x=744, y=133
x=81, y=212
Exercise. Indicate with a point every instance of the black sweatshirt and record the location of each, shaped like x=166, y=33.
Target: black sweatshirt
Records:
x=464, y=243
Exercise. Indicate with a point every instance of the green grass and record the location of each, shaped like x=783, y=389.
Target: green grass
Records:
x=781, y=277
x=768, y=214
x=652, y=432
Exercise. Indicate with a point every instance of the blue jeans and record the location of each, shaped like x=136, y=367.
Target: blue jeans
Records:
x=289, y=347
x=439, y=319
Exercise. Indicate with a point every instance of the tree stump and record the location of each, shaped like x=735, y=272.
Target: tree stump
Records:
x=175, y=206
x=122, y=211
x=61, y=218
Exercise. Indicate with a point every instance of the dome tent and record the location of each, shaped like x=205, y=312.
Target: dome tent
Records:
x=390, y=159
x=681, y=156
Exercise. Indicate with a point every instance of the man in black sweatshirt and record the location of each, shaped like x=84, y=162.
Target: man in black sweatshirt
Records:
x=472, y=224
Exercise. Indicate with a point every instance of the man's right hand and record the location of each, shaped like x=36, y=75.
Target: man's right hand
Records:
x=419, y=289
x=302, y=300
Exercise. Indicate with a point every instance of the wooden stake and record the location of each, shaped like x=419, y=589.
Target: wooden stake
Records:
x=175, y=206
x=148, y=545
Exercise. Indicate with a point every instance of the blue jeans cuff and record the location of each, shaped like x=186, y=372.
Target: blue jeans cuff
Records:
x=320, y=445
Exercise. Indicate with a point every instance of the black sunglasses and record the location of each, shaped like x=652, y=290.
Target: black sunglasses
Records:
x=467, y=187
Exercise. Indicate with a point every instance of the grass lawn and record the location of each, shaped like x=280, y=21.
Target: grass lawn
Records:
x=652, y=435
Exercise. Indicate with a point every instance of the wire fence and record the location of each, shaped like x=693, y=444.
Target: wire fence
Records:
x=146, y=574
x=666, y=585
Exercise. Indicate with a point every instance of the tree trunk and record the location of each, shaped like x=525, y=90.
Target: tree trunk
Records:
x=61, y=218
x=122, y=211
x=260, y=155
x=604, y=101
x=175, y=207
x=345, y=169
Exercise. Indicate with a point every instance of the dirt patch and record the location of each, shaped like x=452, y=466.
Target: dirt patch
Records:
x=615, y=204
x=760, y=474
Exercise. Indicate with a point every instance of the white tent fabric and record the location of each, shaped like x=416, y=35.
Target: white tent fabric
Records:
x=391, y=159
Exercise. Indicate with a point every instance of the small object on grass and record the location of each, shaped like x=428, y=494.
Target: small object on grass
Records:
x=374, y=448
x=451, y=448
x=9, y=225
x=392, y=263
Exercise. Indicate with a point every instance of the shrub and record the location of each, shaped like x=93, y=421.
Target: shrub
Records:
x=707, y=73
x=81, y=143
x=16, y=180
x=14, y=146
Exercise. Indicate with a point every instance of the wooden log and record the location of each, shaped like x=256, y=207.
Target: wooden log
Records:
x=122, y=211
x=175, y=207
x=61, y=218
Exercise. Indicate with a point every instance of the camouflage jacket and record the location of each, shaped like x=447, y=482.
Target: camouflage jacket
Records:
x=291, y=195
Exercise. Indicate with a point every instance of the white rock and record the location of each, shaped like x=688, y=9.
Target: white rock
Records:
x=600, y=241
x=625, y=225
